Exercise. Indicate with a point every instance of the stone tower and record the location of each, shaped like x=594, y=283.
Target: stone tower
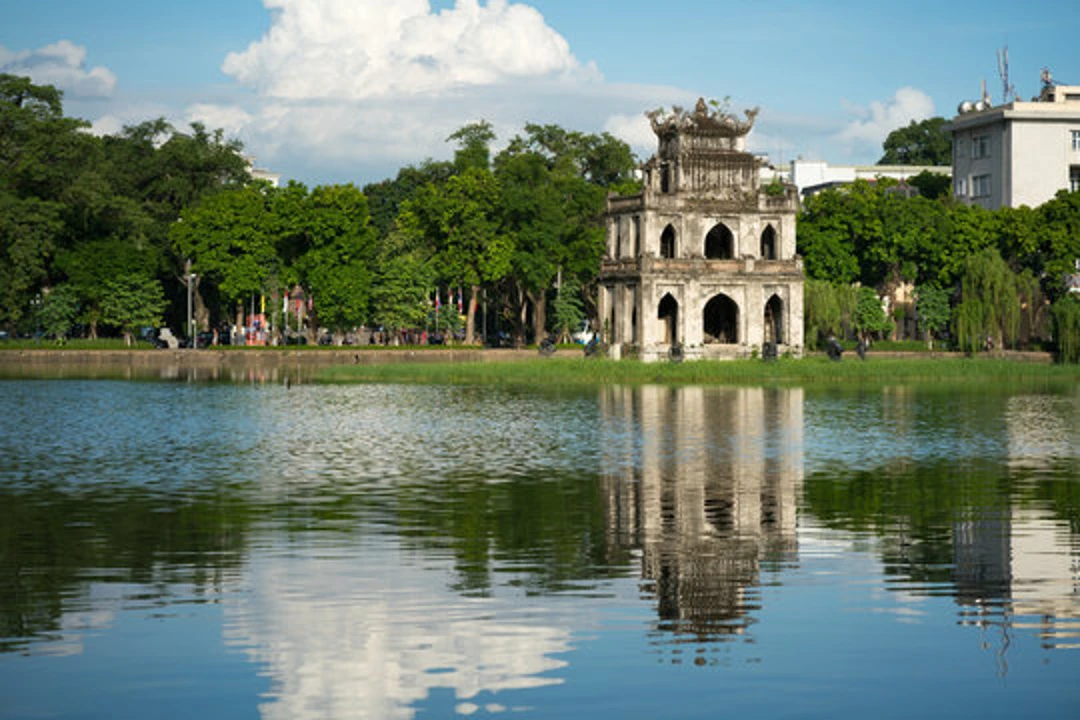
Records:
x=703, y=260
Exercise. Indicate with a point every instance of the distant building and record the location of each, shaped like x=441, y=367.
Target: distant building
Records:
x=1019, y=153
x=814, y=176
x=258, y=173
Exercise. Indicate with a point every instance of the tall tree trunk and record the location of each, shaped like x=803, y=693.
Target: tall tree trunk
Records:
x=522, y=314
x=470, y=318
x=539, y=303
x=202, y=313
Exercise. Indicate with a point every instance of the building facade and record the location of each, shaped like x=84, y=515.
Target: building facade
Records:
x=702, y=263
x=1020, y=153
x=814, y=176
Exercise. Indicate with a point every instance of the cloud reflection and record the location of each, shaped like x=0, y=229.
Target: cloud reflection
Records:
x=372, y=634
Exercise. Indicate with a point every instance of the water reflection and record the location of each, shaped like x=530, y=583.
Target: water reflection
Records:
x=371, y=633
x=710, y=496
x=382, y=551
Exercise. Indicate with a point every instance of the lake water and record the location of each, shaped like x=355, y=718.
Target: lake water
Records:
x=244, y=550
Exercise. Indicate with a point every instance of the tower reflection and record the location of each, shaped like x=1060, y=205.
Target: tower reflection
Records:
x=704, y=482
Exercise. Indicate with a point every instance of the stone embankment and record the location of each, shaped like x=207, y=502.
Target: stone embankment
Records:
x=214, y=364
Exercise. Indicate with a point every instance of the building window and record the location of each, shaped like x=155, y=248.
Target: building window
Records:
x=1076, y=140
x=980, y=186
x=959, y=149
x=1074, y=178
x=961, y=187
x=980, y=146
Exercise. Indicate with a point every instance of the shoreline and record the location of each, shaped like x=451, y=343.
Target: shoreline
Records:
x=521, y=366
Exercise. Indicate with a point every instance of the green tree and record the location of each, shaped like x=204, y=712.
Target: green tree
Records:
x=404, y=274
x=1066, y=314
x=1060, y=232
x=569, y=308
x=931, y=185
x=926, y=142
x=132, y=302
x=829, y=310
x=932, y=306
x=336, y=264
x=461, y=221
x=231, y=238
x=869, y=316
x=29, y=229
x=474, y=143
x=58, y=310
x=989, y=310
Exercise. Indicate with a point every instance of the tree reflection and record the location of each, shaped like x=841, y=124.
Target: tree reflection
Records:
x=55, y=542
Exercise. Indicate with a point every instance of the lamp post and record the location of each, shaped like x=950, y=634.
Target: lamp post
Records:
x=189, y=278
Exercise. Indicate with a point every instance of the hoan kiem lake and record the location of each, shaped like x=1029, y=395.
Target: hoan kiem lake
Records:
x=257, y=548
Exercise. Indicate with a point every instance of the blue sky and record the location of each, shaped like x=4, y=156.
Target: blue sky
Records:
x=351, y=90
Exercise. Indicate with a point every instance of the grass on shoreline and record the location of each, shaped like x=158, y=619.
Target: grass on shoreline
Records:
x=579, y=371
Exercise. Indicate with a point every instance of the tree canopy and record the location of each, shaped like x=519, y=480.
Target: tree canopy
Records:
x=926, y=142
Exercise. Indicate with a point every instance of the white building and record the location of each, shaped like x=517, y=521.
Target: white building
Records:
x=814, y=176
x=1020, y=153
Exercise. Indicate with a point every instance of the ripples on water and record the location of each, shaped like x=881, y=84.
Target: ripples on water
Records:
x=384, y=551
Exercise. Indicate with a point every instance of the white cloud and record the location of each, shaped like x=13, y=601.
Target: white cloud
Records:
x=635, y=130
x=350, y=89
x=230, y=118
x=62, y=64
x=357, y=49
x=874, y=123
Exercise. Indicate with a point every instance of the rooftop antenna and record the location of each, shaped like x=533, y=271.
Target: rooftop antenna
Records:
x=1046, y=78
x=1008, y=91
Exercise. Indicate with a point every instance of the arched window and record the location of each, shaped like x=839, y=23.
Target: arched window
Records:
x=768, y=243
x=668, y=314
x=774, y=320
x=720, y=243
x=667, y=243
x=721, y=320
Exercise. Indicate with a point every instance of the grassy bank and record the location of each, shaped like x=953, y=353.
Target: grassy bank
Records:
x=579, y=371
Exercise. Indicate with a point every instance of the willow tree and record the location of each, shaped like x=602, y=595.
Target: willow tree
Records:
x=1066, y=313
x=989, y=311
x=829, y=309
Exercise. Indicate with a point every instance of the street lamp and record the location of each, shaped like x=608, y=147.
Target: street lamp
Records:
x=189, y=278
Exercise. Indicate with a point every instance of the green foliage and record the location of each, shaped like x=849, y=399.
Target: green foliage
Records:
x=131, y=302
x=57, y=312
x=829, y=310
x=230, y=240
x=775, y=187
x=990, y=306
x=339, y=247
x=869, y=316
x=926, y=142
x=1066, y=314
x=569, y=309
x=474, y=143
x=931, y=185
x=932, y=308
x=1059, y=235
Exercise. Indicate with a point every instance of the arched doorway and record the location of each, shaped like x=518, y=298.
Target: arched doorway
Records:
x=668, y=315
x=774, y=320
x=667, y=242
x=721, y=321
x=768, y=243
x=720, y=243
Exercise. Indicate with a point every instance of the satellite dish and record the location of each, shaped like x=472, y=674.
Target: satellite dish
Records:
x=965, y=107
x=980, y=105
